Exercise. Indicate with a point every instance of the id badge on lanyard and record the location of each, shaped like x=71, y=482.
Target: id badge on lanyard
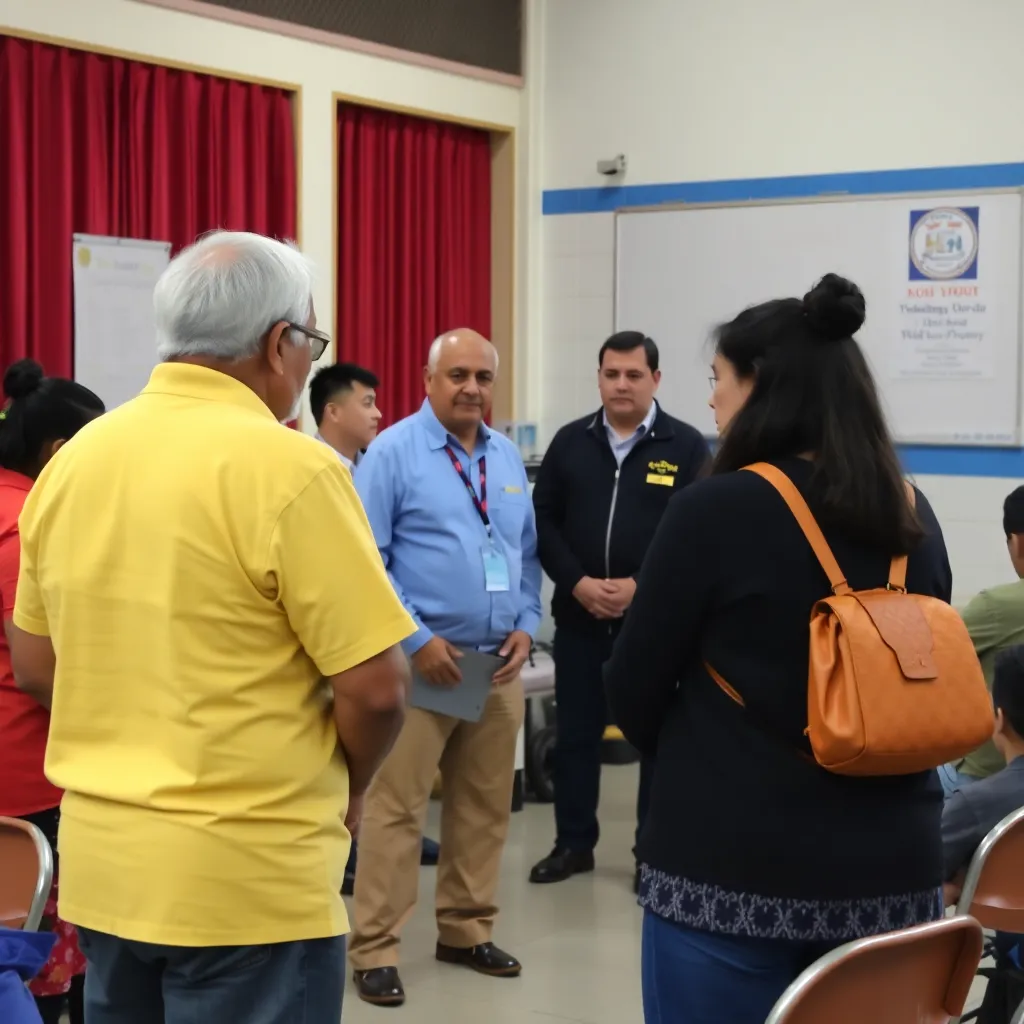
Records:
x=496, y=577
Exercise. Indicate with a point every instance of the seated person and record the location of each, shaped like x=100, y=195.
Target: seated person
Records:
x=995, y=620
x=972, y=811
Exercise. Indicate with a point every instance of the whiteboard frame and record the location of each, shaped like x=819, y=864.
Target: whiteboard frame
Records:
x=118, y=240
x=854, y=197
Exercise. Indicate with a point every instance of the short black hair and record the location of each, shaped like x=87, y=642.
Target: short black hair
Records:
x=626, y=341
x=1013, y=512
x=1008, y=687
x=39, y=411
x=330, y=380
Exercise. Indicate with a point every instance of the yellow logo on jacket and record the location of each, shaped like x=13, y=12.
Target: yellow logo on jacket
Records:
x=662, y=473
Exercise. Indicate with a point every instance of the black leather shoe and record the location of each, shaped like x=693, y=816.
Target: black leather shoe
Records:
x=562, y=864
x=380, y=986
x=430, y=851
x=485, y=958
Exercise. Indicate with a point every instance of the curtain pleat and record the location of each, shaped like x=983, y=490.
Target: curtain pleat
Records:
x=414, y=243
x=101, y=145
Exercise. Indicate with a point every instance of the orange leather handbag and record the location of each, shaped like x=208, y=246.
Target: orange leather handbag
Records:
x=893, y=685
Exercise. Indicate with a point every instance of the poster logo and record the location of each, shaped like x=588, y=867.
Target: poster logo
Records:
x=84, y=256
x=944, y=244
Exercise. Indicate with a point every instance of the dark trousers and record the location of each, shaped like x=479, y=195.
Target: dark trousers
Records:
x=283, y=983
x=693, y=977
x=582, y=712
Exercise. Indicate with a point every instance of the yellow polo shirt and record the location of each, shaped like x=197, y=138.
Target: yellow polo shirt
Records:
x=199, y=569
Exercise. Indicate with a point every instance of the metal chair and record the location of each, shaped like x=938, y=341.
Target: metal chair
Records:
x=26, y=874
x=993, y=889
x=921, y=975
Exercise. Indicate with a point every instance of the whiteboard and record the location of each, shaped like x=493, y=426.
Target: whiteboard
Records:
x=941, y=275
x=115, y=332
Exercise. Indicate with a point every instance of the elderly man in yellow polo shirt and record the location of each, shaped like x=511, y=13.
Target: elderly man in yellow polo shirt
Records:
x=202, y=603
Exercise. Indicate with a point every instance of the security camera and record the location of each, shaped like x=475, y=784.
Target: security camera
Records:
x=612, y=167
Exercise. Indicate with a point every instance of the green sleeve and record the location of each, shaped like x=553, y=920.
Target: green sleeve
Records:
x=982, y=617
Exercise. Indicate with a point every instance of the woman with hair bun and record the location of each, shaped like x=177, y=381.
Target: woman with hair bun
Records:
x=755, y=860
x=41, y=413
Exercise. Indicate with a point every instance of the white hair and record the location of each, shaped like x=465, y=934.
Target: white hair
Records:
x=220, y=296
x=434, y=354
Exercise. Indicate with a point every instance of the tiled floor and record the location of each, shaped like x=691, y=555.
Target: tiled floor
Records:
x=579, y=940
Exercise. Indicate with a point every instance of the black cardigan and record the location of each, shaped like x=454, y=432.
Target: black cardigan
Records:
x=730, y=579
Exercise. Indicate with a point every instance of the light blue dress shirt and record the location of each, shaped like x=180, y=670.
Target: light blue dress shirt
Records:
x=432, y=539
x=622, y=447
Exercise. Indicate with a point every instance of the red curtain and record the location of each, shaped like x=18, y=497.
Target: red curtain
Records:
x=107, y=146
x=414, y=243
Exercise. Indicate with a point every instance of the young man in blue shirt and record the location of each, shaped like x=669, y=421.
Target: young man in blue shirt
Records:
x=972, y=811
x=343, y=400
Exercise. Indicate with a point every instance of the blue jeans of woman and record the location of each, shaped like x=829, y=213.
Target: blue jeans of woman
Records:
x=694, y=977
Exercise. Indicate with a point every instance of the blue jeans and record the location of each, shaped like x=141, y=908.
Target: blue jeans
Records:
x=952, y=779
x=141, y=983
x=693, y=977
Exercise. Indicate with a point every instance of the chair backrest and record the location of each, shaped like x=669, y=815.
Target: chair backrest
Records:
x=26, y=874
x=993, y=889
x=920, y=975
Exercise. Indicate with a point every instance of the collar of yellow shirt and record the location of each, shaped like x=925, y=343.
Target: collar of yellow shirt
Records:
x=191, y=381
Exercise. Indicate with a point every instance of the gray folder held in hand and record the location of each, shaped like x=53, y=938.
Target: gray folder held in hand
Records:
x=466, y=700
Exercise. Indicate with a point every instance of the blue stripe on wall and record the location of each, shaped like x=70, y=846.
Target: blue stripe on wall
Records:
x=956, y=461
x=917, y=459
x=922, y=179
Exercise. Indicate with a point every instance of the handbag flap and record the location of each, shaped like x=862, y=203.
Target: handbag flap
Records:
x=903, y=628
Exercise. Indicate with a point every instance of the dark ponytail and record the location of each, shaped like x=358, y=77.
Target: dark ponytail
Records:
x=813, y=394
x=39, y=411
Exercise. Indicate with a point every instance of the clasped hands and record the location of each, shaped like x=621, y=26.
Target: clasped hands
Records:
x=437, y=660
x=605, y=599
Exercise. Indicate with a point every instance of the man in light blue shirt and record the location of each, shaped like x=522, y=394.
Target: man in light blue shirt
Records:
x=449, y=505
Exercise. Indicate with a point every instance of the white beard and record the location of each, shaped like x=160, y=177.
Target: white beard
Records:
x=293, y=413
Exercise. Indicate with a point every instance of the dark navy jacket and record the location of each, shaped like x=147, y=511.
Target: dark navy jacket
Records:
x=595, y=519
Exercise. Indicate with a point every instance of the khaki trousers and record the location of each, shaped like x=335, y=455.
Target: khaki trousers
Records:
x=477, y=762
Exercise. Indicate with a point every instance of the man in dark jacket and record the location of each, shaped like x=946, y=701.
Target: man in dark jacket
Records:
x=600, y=492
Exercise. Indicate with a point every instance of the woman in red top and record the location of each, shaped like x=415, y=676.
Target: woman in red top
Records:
x=41, y=414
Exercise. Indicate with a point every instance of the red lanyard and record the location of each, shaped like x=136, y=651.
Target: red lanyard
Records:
x=480, y=504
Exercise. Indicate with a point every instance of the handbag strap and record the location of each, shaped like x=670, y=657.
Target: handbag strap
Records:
x=806, y=521
x=898, y=569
